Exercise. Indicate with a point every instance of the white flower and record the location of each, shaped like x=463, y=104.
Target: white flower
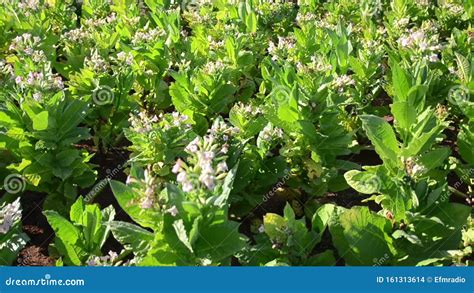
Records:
x=18, y=80
x=206, y=167
x=121, y=56
x=146, y=203
x=261, y=229
x=434, y=58
x=209, y=155
x=208, y=180
x=187, y=186
x=192, y=146
x=221, y=167
x=423, y=46
x=418, y=169
x=37, y=97
x=177, y=166
x=181, y=178
x=225, y=149
x=9, y=215
x=173, y=211
x=92, y=262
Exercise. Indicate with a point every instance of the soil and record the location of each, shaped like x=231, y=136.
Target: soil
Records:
x=34, y=256
x=38, y=230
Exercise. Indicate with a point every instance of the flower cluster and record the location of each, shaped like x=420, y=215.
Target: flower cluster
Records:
x=96, y=62
x=283, y=47
x=269, y=132
x=306, y=17
x=39, y=81
x=249, y=110
x=317, y=64
x=149, y=197
x=77, y=35
x=453, y=9
x=126, y=58
x=25, y=43
x=85, y=33
x=145, y=36
x=9, y=215
x=142, y=123
x=343, y=81
x=206, y=165
x=106, y=261
x=423, y=41
x=99, y=22
x=213, y=67
x=29, y=5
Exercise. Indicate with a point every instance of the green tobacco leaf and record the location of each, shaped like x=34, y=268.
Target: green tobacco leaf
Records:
x=275, y=226
x=401, y=82
x=221, y=200
x=422, y=142
x=439, y=231
x=126, y=196
x=63, y=229
x=363, y=181
x=361, y=236
x=40, y=121
x=382, y=137
x=131, y=236
x=161, y=254
x=434, y=158
x=219, y=241
x=11, y=244
x=325, y=258
x=67, y=157
x=251, y=22
x=73, y=254
x=322, y=217
x=404, y=114
x=77, y=209
x=92, y=223
x=108, y=215
x=466, y=143
x=180, y=230
x=463, y=68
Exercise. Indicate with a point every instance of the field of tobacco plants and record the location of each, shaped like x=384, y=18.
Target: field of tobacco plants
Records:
x=244, y=133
